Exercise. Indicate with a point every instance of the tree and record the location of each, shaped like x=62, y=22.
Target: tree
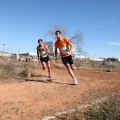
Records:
x=77, y=38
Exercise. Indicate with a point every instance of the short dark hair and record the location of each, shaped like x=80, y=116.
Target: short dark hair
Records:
x=58, y=31
x=40, y=40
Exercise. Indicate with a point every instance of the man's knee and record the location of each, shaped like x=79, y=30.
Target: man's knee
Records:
x=67, y=65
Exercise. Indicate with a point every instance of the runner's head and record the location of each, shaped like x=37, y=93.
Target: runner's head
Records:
x=40, y=41
x=58, y=34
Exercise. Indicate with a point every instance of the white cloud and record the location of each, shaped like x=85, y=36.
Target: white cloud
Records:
x=98, y=27
x=115, y=43
x=102, y=24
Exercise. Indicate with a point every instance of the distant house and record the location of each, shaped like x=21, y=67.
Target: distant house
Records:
x=119, y=59
x=79, y=57
x=51, y=46
x=4, y=54
x=96, y=59
x=29, y=53
x=26, y=56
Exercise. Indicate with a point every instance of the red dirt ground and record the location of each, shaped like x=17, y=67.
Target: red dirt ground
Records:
x=37, y=97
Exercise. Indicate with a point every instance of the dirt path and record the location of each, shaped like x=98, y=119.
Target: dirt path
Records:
x=40, y=96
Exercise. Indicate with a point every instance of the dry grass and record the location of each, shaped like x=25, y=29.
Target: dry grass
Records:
x=92, y=65
x=108, y=110
x=96, y=65
x=15, y=69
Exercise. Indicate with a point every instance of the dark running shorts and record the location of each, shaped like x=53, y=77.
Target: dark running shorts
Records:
x=45, y=59
x=67, y=59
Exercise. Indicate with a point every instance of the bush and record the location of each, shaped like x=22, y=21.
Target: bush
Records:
x=15, y=69
x=7, y=69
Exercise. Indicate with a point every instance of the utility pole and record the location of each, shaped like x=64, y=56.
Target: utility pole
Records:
x=34, y=52
x=8, y=50
x=19, y=51
x=3, y=48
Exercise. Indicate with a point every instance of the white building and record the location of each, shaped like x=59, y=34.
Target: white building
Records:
x=96, y=59
x=79, y=57
x=119, y=59
x=4, y=54
x=51, y=46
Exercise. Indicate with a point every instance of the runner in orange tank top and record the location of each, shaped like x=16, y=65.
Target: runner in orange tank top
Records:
x=65, y=47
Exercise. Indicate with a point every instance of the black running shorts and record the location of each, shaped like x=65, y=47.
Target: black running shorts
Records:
x=45, y=59
x=67, y=59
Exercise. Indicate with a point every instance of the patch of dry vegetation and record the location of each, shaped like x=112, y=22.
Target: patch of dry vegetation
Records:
x=107, y=110
x=110, y=110
x=15, y=69
x=97, y=65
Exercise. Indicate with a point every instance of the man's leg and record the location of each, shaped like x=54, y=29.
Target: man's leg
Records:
x=71, y=73
x=70, y=70
x=72, y=67
x=44, y=65
x=49, y=69
x=70, y=61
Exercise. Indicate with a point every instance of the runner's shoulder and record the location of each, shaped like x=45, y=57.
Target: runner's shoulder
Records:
x=45, y=46
x=67, y=39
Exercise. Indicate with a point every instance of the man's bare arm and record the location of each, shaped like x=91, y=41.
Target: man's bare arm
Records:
x=47, y=49
x=55, y=53
x=38, y=55
x=70, y=47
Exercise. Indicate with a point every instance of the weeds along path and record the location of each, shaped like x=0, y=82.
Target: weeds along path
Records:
x=40, y=96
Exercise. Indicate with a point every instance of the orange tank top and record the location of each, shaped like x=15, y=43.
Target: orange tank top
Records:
x=62, y=45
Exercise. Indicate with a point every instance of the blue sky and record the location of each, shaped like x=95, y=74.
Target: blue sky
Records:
x=23, y=22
